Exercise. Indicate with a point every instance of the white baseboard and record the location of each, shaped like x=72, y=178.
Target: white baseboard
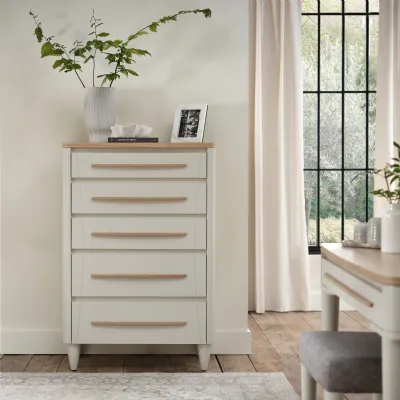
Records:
x=29, y=341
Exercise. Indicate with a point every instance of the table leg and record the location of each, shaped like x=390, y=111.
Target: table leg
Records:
x=390, y=369
x=330, y=311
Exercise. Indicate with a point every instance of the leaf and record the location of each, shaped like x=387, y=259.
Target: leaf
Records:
x=104, y=80
x=141, y=33
x=103, y=34
x=39, y=34
x=153, y=27
x=58, y=63
x=132, y=72
x=57, y=52
x=88, y=58
x=75, y=66
x=99, y=24
x=47, y=49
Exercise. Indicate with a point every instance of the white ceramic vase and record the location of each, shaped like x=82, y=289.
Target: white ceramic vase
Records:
x=100, y=113
x=391, y=229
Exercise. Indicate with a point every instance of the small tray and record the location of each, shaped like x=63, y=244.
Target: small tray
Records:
x=352, y=243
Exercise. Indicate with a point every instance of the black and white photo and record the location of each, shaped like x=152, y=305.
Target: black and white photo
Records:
x=189, y=123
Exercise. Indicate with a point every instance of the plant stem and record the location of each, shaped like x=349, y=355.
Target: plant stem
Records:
x=95, y=48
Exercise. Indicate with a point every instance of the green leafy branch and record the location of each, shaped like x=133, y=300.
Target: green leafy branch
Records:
x=391, y=174
x=116, y=52
x=52, y=49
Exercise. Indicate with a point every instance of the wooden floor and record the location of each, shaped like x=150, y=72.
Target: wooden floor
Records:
x=274, y=349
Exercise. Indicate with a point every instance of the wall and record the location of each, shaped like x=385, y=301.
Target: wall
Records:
x=194, y=60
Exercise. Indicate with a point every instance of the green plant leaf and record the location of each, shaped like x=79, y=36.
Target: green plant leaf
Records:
x=132, y=72
x=88, y=58
x=103, y=34
x=58, y=63
x=153, y=27
x=39, y=34
x=47, y=49
x=132, y=37
x=75, y=66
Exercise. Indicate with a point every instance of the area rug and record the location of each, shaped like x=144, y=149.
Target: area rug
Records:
x=149, y=386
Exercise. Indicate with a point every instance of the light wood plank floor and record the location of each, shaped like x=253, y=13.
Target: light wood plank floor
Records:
x=274, y=349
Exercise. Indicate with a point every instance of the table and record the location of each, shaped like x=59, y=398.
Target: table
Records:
x=369, y=281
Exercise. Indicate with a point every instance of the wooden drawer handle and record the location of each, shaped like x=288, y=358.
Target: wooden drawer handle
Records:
x=139, y=276
x=140, y=199
x=139, y=234
x=139, y=165
x=349, y=291
x=138, y=324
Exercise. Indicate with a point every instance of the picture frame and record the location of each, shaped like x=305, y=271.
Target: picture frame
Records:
x=189, y=123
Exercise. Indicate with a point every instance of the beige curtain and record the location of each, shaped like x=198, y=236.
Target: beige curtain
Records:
x=388, y=88
x=276, y=112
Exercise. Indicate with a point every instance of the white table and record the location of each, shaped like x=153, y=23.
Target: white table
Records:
x=368, y=280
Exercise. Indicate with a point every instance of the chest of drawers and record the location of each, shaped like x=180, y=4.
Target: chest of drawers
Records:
x=138, y=245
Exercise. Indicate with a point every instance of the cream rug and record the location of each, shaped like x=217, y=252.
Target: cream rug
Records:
x=151, y=386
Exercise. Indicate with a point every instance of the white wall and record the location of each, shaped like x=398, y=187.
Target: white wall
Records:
x=194, y=60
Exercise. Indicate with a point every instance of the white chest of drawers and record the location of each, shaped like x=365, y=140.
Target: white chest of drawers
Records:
x=138, y=245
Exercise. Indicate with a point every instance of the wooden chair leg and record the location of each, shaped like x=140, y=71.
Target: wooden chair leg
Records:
x=308, y=385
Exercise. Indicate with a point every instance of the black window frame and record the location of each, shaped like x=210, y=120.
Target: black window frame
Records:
x=316, y=249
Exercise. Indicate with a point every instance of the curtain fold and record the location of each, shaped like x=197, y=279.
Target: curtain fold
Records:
x=388, y=90
x=276, y=112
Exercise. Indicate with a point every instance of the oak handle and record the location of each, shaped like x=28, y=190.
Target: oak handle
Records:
x=140, y=199
x=349, y=291
x=139, y=234
x=138, y=324
x=139, y=165
x=139, y=276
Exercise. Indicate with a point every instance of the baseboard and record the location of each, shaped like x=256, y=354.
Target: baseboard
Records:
x=29, y=341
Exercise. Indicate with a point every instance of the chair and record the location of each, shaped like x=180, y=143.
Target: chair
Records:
x=341, y=362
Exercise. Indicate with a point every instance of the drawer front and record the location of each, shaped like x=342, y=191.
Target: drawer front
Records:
x=139, y=197
x=139, y=322
x=363, y=296
x=139, y=274
x=139, y=165
x=144, y=232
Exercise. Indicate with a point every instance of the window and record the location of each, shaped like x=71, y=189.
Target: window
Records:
x=340, y=39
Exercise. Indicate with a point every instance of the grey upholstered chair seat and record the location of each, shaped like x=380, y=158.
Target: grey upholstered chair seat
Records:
x=343, y=362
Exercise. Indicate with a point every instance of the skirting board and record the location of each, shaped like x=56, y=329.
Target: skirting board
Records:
x=50, y=342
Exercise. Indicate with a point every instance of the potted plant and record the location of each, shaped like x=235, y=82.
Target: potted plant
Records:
x=99, y=105
x=390, y=242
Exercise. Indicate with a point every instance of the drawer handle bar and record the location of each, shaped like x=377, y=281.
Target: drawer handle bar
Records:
x=139, y=234
x=139, y=165
x=140, y=199
x=349, y=291
x=139, y=276
x=138, y=324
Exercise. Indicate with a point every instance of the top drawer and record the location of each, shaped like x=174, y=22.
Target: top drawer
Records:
x=139, y=165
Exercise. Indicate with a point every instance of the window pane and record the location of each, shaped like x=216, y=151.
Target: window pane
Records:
x=354, y=201
x=356, y=49
x=370, y=197
x=331, y=5
x=355, y=139
x=331, y=206
x=310, y=6
x=373, y=5
x=373, y=50
x=355, y=5
x=331, y=53
x=310, y=52
x=372, y=130
x=310, y=193
x=331, y=131
x=310, y=112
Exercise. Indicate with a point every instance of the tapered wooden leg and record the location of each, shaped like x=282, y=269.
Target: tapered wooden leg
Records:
x=308, y=385
x=74, y=351
x=390, y=369
x=333, y=396
x=204, y=355
x=330, y=312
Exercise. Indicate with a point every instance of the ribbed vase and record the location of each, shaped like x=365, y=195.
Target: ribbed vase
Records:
x=100, y=113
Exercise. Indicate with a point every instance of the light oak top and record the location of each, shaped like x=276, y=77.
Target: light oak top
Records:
x=182, y=145
x=373, y=265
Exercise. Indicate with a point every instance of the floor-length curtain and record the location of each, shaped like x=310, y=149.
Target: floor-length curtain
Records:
x=388, y=88
x=276, y=110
